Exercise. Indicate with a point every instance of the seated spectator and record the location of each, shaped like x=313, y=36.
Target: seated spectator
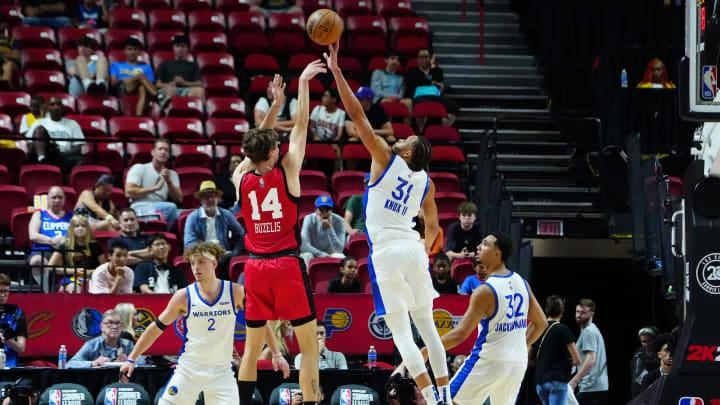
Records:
x=113, y=277
x=268, y=7
x=89, y=71
x=665, y=354
x=45, y=13
x=472, y=282
x=159, y=276
x=425, y=83
x=149, y=185
x=284, y=121
x=323, y=232
x=66, y=133
x=14, y=333
x=91, y=14
x=225, y=184
x=128, y=316
x=95, y=205
x=327, y=120
x=377, y=116
x=137, y=244
x=280, y=331
x=37, y=111
x=179, y=77
x=656, y=76
x=210, y=223
x=327, y=358
x=108, y=347
x=463, y=236
x=47, y=230
x=346, y=281
x=354, y=216
x=443, y=282
x=78, y=254
x=643, y=359
x=44, y=150
x=133, y=77
x=9, y=55
x=388, y=84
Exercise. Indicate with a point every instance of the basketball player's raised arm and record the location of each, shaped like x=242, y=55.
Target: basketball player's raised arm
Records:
x=537, y=319
x=277, y=88
x=429, y=210
x=379, y=149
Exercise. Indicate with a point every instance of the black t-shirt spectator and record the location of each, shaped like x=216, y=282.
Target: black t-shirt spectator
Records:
x=415, y=77
x=553, y=358
x=89, y=259
x=336, y=286
x=134, y=242
x=147, y=273
x=449, y=287
x=189, y=71
x=457, y=238
x=376, y=115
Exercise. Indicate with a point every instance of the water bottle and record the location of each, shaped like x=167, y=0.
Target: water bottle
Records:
x=372, y=357
x=2, y=358
x=623, y=79
x=62, y=358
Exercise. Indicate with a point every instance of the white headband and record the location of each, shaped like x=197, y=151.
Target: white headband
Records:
x=208, y=255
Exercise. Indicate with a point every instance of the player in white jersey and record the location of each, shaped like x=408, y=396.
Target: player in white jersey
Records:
x=209, y=308
x=500, y=308
x=399, y=190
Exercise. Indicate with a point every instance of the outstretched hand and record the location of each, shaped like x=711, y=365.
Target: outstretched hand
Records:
x=277, y=89
x=331, y=57
x=312, y=69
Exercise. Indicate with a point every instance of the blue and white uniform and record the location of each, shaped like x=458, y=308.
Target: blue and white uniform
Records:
x=497, y=363
x=398, y=264
x=205, y=359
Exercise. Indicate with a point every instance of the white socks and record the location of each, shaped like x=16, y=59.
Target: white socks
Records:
x=445, y=394
x=430, y=395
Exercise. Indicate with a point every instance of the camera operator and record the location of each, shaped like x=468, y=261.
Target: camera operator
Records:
x=13, y=327
x=21, y=392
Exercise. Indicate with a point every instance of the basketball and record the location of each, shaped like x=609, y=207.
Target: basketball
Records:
x=324, y=26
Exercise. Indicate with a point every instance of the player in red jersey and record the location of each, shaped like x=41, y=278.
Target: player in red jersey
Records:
x=276, y=283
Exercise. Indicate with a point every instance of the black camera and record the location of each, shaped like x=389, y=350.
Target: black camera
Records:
x=21, y=392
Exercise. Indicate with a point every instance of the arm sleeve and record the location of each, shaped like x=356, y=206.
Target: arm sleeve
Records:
x=314, y=114
x=134, y=175
x=262, y=105
x=466, y=289
x=149, y=73
x=114, y=69
x=567, y=336
x=81, y=358
x=76, y=130
x=305, y=234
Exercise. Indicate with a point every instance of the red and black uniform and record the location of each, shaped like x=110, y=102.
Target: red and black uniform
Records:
x=276, y=283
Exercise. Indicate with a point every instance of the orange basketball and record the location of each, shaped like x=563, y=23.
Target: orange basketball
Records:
x=324, y=26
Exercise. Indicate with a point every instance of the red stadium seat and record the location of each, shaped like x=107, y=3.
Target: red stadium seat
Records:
x=354, y=84
x=161, y=40
x=247, y=32
x=106, y=154
x=128, y=104
x=166, y=20
x=158, y=57
x=48, y=59
x=411, y=63
x=216, y=63
x=315, y=85
x=393, y=8
x=115, y=38
x=299, y=61
x=378, y=63
x=13, y=14
x=355, y=151
x=19, y=226
x=6, y=126
x=68, y=35
x=448, y=202
x=180, y=128
x=151, y=5
x=221, y=85
x=226, y=129
x=396, y=110
x=246, y=21
x=182, y=218
x=347, y=8
x=442, y=133
x=105, y=106
x=363, y=272
x=309, y=6
x=83, y=177
x=343, y=197
x=408, y=27
x=409, y=46
x=323, y=269
x=4, y=175
x=67, y=100
x=118, y=55
x=358, y=246
x=445, y=182
x=132, y=127
x=402, y=131
x=313, y=180
x=461, y=269
x=14, y=103
x=93, y=126
x=206, y=21
x=367, y=35
x=260, y=63
x=286, y=39
x=347, y=181
x=315, y=151
x=228, y=6
x=448, y=154
x=446, y=219
x=152, y=225
x=13, y=158
x=192, y=155
x=128, y=18
x=188, y=107
x=34, y=37
x=139, y=152
x=118, y=198
x=70, y=195
x=180, y=263
x=259, y=85
x=225, y=107
x=237, y=266
x=190, y=5
x=103, y=237
x=191, y=177
x=52, y=81
x=13, y=197
x=208, y=42
x=32, y=177
x=307, y=200
x=349, y=64
x=431, y=109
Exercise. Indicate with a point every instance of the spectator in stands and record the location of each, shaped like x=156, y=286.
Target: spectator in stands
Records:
x=377, y=116
x=14, y=326
x=89, y=70
x=437, y=245
x=665, y=354
x=327, y=358
x=268, y=7
x=354, y=218
x=91, y=14
x=9, y=54
x=113, y=277
x=280, y=331
x=443, y=282
x=425, y=83
x=656, y=76
x=44, y=150
x=158, y=276
x=133, y=77
x=225, y=184
x=285, y=119
x=95, y=205
x=108, y=347
x=591, y=378
x=47, y=230
x=346, y=281
x=129, y=234
x=65, y=132
x=327, y=121
x=149, y=185
x=78, y=254
x=45, y=13
x=128, y=316
x=37, y=111
x=388, y=84
x=463, y=236
x=472, y=282
x=323, y=232
x=179, y=77
x=642, y=360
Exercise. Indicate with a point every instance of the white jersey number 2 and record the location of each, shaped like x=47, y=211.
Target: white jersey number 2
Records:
x=270, y=203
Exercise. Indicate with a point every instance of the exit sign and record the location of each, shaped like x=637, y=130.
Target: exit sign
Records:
x=549, y=228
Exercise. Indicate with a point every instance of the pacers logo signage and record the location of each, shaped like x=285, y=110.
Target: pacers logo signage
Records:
x=336, y=320
x=708, y=273
x=444, y=321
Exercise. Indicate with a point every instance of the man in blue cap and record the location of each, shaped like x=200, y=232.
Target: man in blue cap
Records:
x=354, y=218
x=323, y=232
x=377, y=116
